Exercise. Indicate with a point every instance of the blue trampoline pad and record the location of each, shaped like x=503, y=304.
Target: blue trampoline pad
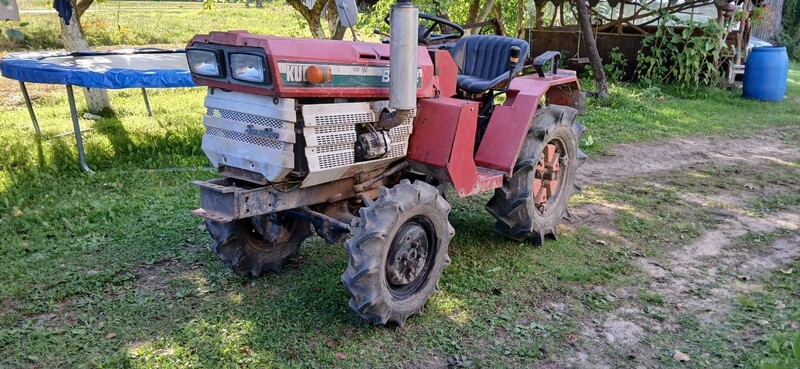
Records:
x=145, y=68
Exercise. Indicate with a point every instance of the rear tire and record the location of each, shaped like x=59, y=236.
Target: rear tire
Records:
x=263, y=243
x=519, y=214
x=398, y=252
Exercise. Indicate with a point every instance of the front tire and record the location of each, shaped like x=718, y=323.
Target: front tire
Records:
x=531, y=203
x=263, y=243
x=398, y=252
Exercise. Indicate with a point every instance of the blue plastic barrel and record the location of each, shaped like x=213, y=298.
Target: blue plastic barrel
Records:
x=766, y=73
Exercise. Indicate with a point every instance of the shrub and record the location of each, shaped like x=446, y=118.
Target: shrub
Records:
x=681, y=52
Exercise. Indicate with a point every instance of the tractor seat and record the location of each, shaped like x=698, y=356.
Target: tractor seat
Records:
x=483, y=61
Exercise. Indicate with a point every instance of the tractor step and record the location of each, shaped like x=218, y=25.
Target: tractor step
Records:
x=215, y=217
x=488, y=179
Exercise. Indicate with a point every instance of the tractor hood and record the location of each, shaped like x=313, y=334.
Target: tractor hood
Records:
x=299, y=67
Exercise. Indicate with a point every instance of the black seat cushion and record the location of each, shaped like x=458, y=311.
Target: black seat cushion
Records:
x=483, y=61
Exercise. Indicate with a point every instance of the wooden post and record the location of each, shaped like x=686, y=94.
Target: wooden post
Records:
x=591, y=47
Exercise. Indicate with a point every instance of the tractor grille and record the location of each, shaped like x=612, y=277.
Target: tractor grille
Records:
x=246, y=138
x=250, y=132
x=342, y=119
x=330, y=134
x=244, y=118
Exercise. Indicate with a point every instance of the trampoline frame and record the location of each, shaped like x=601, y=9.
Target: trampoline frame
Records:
x=76, y=126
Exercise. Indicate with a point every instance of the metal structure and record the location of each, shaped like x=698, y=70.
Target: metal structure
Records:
x=361, y=141
x=116, y=69
x=621, y=26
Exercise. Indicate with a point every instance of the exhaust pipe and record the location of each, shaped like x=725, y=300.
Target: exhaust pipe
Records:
x=403, y=64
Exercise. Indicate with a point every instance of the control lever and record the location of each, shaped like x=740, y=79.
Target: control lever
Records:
x=513, y=61
x=379, y=32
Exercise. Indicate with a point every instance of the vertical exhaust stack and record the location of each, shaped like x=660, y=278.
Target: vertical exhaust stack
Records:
x=403, y=64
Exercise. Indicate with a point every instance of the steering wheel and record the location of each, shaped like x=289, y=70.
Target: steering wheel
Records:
x=426, y=35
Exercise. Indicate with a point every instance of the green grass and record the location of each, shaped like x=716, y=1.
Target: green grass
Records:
x=111, y=270
x=122, y=23
x=635, y=113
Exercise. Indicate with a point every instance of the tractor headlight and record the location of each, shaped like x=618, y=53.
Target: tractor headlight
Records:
x=204, y=62
x=248, y=67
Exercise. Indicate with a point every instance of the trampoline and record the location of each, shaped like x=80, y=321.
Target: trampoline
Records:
x=118, y=69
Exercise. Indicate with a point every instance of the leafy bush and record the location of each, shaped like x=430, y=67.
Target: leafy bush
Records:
x=681, y=52
x=790, y=29
x=617, y=67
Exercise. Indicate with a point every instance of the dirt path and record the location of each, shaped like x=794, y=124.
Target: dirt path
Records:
x=714, y=263
x=630, y=160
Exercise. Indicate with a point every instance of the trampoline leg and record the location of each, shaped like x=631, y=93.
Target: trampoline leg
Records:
x=147, y=102
x=77, y=127
x=30, y=108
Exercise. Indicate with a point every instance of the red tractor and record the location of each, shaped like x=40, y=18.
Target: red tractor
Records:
x=362, y=140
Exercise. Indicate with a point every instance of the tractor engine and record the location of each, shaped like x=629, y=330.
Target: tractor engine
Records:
x=310, y=111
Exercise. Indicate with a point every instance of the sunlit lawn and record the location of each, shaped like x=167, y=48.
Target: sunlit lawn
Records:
x=111, y=270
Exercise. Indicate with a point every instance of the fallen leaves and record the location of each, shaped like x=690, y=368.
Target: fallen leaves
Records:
x=340, y=356
x=110, y=335
x=679, y=356
x=787, y=271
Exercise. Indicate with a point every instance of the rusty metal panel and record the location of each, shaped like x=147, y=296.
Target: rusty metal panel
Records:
x=446, y=71
x=435, y=129
x=443, y=145
x=510, y=123
x=224, y=200
x=461, y=167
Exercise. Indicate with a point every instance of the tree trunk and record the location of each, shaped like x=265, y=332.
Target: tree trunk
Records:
x=539, y=22
x=520, y=16
x=591, y=46
x=487, y=7
x=497, y=10
x=312, y=16
x=335, y=27
x=74, y=40
x=474, y=7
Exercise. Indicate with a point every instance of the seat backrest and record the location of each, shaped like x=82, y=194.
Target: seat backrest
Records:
x=487, y=57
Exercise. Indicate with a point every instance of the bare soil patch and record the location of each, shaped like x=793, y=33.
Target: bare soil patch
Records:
x=642, y=158
x=701, y=278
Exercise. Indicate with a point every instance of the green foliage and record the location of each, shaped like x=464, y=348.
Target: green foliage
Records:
x=790, y=29
x=457, y=10
x=160, y=23
x=616, y=68
x=12, y=35
x=208, y=4
x=681, y=52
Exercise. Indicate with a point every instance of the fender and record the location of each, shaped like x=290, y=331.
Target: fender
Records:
x=443, y=141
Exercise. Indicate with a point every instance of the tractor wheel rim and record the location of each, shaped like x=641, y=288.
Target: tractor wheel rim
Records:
x=410, y=257
x=548, y=175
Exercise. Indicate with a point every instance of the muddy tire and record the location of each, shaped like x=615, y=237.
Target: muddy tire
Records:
x=254, y=245
x=398, y=252
x=531, y=203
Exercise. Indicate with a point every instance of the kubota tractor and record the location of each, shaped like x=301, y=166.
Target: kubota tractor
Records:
x=362, y=140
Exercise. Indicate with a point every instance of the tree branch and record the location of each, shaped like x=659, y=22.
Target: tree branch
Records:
x=81, y=7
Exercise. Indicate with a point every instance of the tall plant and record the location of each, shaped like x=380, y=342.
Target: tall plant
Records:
x=682, y=52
